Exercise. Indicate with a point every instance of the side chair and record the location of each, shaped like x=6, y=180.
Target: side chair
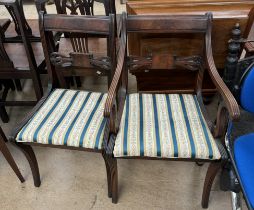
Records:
x=170, y=125
x=64, y=118
x=20, y=57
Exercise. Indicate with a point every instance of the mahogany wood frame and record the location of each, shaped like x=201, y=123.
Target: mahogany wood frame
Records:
x=8, y=70
x=101, y=25
x=118, y=90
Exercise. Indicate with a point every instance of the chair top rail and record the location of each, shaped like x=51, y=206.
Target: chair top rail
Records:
x=77, y=24
x=167, y=23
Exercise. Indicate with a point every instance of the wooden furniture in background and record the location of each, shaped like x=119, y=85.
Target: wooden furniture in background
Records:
x=123, y=142
x=74, y=7
x=225, y=15
x=21, y=55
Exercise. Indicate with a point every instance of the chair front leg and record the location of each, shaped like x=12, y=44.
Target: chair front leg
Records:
x=212, y=171
x=30, y=156
x=111, y=166
x=8, y=156
x=105, y=157
x=114, y=178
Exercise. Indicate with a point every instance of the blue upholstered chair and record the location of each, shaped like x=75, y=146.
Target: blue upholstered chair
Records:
x=241, y=149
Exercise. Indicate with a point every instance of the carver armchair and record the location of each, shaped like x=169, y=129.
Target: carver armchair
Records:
x=63, y=118
x=166, y=125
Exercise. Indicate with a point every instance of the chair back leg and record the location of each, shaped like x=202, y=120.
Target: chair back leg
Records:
x=6, y=153
x=30, y=156
x=108, y=174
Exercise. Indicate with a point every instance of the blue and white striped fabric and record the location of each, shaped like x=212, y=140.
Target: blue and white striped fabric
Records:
x=68, y=117
x=164, y=126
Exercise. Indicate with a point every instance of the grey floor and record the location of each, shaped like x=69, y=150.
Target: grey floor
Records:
x=77, y=180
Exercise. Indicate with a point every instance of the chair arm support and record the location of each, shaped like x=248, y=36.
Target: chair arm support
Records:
x=221, y=124
x=228, y=98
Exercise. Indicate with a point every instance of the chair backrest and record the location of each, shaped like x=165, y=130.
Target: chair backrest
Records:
x=243, y=84
x=167, y=24
x=72, y=56
x=246, y=89
x=172, y=27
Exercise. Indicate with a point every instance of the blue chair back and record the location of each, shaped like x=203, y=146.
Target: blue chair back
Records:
x=247, y=90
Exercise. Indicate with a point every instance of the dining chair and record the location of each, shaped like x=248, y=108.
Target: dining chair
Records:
x=13, y=33
x=21, y=56
x=166, y=125
x=64, y=118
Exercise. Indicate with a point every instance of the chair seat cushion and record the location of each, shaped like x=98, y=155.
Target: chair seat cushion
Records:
x=244, y=158
x=164, y=126
x=67, y=117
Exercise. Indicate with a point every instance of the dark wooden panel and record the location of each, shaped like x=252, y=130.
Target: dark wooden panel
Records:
x=225, y=13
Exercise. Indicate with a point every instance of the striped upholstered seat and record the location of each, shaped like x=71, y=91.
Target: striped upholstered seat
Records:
x=68, y=117
x=164, y=126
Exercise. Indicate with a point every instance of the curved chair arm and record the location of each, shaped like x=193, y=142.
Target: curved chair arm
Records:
x=228, y=98
x=116, y=85
x=230, y=102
